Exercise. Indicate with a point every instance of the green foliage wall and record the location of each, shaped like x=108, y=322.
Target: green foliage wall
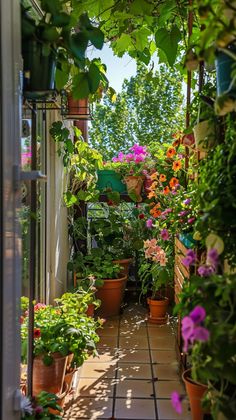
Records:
x=148, y=109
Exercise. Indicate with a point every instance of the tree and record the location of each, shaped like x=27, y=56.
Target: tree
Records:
x=148, y=109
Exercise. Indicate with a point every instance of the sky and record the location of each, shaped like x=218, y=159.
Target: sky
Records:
x=118, y=69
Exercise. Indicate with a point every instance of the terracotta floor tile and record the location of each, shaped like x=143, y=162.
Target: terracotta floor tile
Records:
x=159, y=330
x=106, y=341
x=112, y=323
x=133, y=342
x=141, y=356
x=91, y=387
x=131, y=388
x=163, y=356
x=133, y=330
x=91, y=408
x=134, y=371
x=108, y=331
x=168, y=372
x=167, y=342
x=138, y=409
x=167, y=412
x=164, y=389
x=98, y=370
x=107, y=356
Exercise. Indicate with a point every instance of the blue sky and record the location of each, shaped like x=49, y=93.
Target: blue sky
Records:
x=118, y=69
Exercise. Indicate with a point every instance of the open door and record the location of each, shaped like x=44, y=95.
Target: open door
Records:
x=10, y=244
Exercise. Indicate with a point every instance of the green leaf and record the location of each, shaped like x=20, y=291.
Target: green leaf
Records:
x=70, y=199
x=94, y=77
x=123, y=43
x=141, y=7
x=96, y=36
x=79, y=44
x=81, y=88
x=61, y=79
x=168, y=42
x=141, y=37
x=61, y=19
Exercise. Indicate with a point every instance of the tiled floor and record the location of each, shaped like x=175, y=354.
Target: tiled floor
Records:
x=134, y=375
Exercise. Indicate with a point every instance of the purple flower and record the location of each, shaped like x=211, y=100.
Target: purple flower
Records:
x=38, y=409
x=205, y=270
x=176, y=401
x=212, y=257
x=190, y=258
x=183, y=213
x=187, y=201
x=191, y=220
x=115, y=159
x=198, y=314
x=200, y=334
x=149, y=223
x=187, y=327
x=165, y=234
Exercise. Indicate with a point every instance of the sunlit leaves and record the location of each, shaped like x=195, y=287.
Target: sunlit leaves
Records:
x=168, y=41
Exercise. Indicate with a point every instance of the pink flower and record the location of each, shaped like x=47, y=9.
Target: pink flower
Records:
x=139, y=158
x=129, y=157
x=192, y=330
x=141, y=216
x=149, y=223
x=176, y=401
x=191, y=220
x=165, y=234
x=198, y=314
x=190, y=258
x=212, y=257
x=139, y=149
x=201, y=334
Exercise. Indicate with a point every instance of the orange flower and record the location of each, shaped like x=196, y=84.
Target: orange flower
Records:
x=155, y=212
x=171, y=152
x=162, y=178
x=151, y=204
x=166, y=190
x=154, y=176
x=151, y=194
x=176, y=143
x=153, y=185
x=173, y=182
x=177, y=165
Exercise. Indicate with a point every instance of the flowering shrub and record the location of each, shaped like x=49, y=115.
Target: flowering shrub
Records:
x=39, y=407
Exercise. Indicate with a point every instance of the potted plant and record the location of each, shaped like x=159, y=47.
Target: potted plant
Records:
x=59, y=331
x=42, y=406
x=50, y=43
x=109, y=282
x=155, y=275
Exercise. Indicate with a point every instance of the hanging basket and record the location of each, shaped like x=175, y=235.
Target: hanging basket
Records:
x=134, y=186
x=39, y=70
x=110, y=180
x=224, y=68
x=204, y=134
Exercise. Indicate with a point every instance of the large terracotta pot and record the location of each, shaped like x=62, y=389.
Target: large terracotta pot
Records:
x=90, y=310
x=195, y=393
x=111, y=295
x=61, y=400
x=134, y=185
x=158, y=310
x=49, y=378
x=124, y=263
x=78, y=109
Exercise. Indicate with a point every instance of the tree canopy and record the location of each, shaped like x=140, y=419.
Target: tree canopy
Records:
x=148, y=110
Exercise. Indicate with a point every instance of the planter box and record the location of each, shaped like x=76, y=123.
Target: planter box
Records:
x=187, y=240
x=108, y=179
x=224, y=68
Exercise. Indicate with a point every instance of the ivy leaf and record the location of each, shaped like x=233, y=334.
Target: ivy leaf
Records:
x=96, y=36
x=78, y=44
x=141, y=36
x=94, y=77
x=81, y=88
x=61, y=79
x=70, y=199
x=168, y=42
x=123, y=43
x=141, y=7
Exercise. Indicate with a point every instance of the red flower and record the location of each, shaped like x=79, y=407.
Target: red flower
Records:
x=141, y=216
x=22, y=319
x=37, y=333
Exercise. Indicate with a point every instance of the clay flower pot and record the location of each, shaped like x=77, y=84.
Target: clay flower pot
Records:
x=111, y=295
x=158, y=310
x=61, y=400
x=49, y=378
x=195, y=393
x=90, y=310
x=124, y=263
x=134, y=185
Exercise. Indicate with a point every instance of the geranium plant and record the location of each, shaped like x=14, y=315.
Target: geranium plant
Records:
x=39, y=407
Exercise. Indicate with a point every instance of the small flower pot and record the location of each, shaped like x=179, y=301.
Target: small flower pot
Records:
x=124, y=264
x=195, y=393
x=158, y=310
x=111, y=295
x=134, y=186
x=224, y=68
x=49, y=378
x=110, y=180
x=77, y=109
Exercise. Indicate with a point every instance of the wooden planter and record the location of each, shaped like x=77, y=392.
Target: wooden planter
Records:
x=195, y=393
x=111, y=295
x=49, y=378
x=158, y=310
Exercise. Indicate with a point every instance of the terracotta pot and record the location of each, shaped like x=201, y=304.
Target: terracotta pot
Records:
x=69, y=378
x=69, y=361
x=111, y=295
x=124, y=263
x=134, y=185
x=77, y=108
x=195, y=393
x=90, y=310
x=49, y=378
x=61, y=400
x=158, y=310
